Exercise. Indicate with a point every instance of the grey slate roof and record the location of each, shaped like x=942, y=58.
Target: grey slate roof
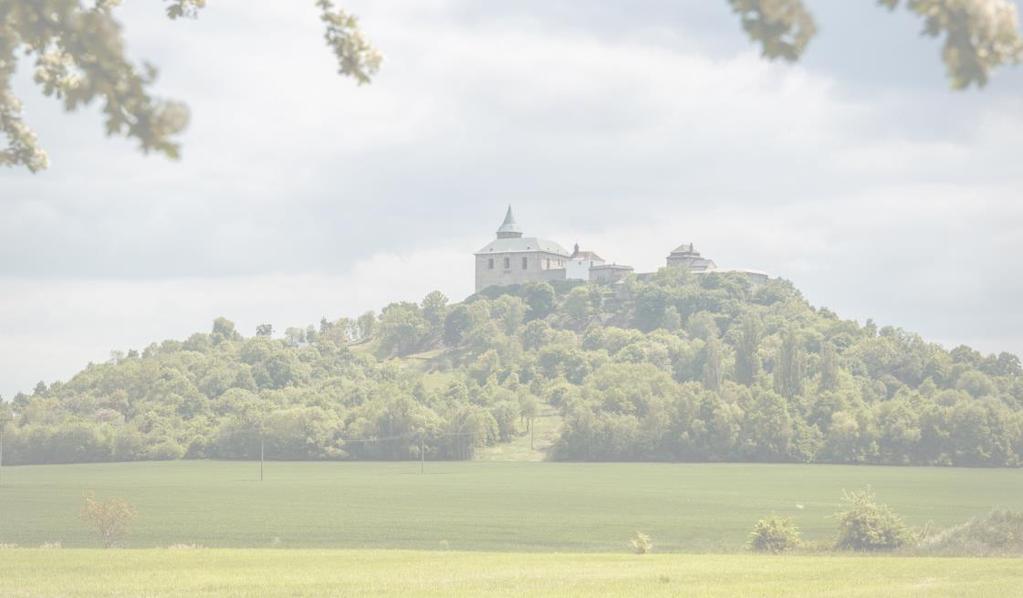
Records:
x=522, y=244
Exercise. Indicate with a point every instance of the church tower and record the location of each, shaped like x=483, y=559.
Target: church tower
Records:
x=513, y=259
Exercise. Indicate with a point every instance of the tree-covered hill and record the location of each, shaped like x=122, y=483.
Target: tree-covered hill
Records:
x=672, y=366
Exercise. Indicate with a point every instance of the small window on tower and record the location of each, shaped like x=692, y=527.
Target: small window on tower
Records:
x=525, y=263
x=507, y=263
x=490, y=264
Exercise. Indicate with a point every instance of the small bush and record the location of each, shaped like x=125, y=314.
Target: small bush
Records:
x=640, y=543
x=111, y=518
x=998, y=533
x=168, y=450
x=867, y=525
x=774, y=534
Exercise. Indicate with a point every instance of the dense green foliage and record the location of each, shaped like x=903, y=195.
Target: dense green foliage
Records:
x=672, y=366
x=479, y=505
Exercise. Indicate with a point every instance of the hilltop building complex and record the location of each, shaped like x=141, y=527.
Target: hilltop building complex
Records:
x=512, y=258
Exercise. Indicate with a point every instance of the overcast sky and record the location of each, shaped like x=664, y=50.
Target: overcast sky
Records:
x=629, y=127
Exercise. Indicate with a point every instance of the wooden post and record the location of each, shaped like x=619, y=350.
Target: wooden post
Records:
x=531, y=435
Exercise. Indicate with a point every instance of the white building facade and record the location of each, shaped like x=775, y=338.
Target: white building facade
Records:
x=512, y=258
x=579, y=264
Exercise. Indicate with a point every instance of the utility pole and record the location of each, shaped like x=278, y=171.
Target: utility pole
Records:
x=261, y=429
x=3, y=424
x=5, y=416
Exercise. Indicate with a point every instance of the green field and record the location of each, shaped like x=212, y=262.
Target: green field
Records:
x=420, y=573
x=477, y=506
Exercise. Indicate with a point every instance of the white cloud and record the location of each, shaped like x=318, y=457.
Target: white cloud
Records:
x=50, y=329
x=303, y=195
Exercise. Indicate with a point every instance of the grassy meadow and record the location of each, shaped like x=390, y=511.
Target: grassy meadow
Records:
x=476, y=506
x=198, y=573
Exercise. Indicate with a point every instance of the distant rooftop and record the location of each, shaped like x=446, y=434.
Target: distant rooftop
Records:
x=685, y=248
x=577, y=254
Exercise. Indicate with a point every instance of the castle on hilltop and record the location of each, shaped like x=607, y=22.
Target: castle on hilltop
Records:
x=512, y=258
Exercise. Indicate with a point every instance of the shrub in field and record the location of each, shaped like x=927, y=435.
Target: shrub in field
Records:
x=111, y=518
x=997, y=533
x=774, y=534
x=868, y=525
x=640, y=543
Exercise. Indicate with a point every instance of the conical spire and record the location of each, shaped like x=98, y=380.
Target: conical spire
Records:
x=509, y=229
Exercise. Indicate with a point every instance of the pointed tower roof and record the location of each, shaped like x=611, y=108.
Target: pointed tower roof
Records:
x=510, y=240
x=509, y=229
